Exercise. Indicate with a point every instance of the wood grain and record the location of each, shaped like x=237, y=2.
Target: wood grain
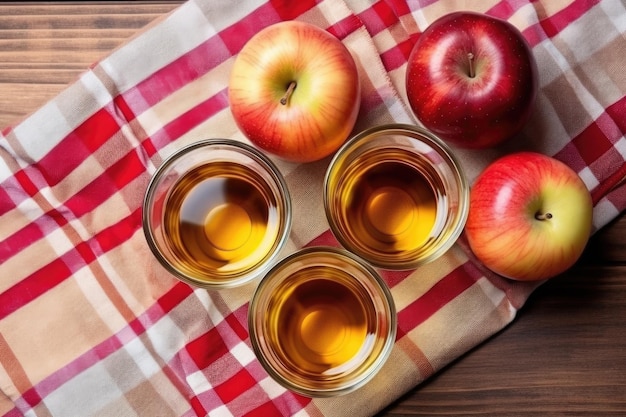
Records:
x=44, y=46
x=565, y=354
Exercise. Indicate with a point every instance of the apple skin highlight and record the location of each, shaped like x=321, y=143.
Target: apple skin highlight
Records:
x=472, y=79
x=530, y=217
x=316, y=117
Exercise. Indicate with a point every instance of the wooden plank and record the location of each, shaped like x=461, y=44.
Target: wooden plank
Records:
x=44, y=46
x=565, y=354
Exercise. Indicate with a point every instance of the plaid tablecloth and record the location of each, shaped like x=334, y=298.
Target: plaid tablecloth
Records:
x=90, y=324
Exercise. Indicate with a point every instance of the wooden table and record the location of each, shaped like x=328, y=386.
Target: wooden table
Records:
x=564, y=354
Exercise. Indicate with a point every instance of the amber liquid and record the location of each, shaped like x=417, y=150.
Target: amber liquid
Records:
x=390, y=203
x=322, y=323
x=221, y=218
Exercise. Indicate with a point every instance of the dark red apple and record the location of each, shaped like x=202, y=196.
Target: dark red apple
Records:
x=472, y=79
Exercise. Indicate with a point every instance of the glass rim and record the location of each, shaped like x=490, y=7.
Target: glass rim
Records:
x=283, y=195
x=370, y=276
x=411, y=132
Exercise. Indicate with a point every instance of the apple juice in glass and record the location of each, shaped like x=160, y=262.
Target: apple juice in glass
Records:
x=220, y=216
x=216, y=213
x=322, y=322
x=396, y=196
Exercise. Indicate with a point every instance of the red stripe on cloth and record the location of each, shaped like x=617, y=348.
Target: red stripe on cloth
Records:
x=264, y=410
x=420, y=4
x=149, y=147
x=290, y=403
x=344, y=27
x=594, y=148
x=190, y=119
x=33, y=286
x=116, y=234
x=10, y=200
x=207, y=348
x=110, y=182
x=289, y=10
x=174, y=296
x=125, y=170
x=86, y=253
x=608, y=185
x=44, y=388
x=196, y=404
x=207, y=400
x=234, y=321
x=176, y=75
x=63, y=267
x=123, y=108
x=325, y=239
x=234, y=386
x=86, y=139
x=26, y=183
x=287, y=403
x=28, y=401
x=235, y=36
x=14, y=412
x=93, y=132
x=59, y=219
x=551, y=26
x=19, y=241
x=379, y=17
x=440, y=294
x=617, y=111
x=400, y=7
x=45, y=279
x=136, y=326
x=372, y=99
x=18, y=376
x=592, y=143
x=580, y=155
x=397, y=56
x=548, y=26
x=569, y=155
x=392, y=278
x=505, y=9
x=555, y=23
x=33, y=396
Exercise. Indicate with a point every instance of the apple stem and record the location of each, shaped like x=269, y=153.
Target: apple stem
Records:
x=543, y=216
x=470, y=59
x=285, y=99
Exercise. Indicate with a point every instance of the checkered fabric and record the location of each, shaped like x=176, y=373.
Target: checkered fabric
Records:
x=90, y=324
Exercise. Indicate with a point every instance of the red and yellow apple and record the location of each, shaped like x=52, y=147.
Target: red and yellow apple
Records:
x=472, y=79
x=294, y=91
x=530, y=216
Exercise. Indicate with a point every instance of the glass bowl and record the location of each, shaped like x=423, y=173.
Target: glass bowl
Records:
x=216, y=213
x=396, y=196
x=322, y=322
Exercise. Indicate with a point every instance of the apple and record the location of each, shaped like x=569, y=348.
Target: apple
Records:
x=472, y=79
x=530, y=216
x=294, y=91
